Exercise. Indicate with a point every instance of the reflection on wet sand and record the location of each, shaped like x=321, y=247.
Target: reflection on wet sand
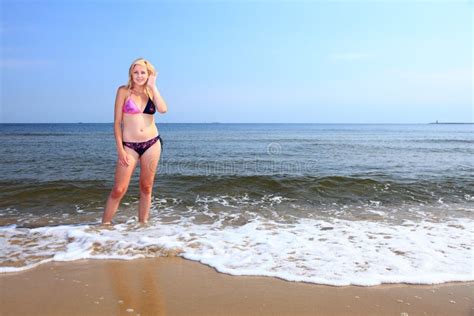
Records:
x=136, y=289
x=173, y=286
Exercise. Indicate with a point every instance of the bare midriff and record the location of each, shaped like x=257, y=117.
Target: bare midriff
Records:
x=138, y=127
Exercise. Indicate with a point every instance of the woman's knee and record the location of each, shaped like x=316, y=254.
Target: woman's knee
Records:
x=118, y=192
x=146, y=187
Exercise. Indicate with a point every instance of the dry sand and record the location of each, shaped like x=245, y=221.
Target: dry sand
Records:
x=174, y=286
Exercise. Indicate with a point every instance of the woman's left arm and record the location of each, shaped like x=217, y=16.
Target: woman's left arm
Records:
x=157, y=98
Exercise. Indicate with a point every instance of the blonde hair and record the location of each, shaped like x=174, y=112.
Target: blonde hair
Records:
x=149, y=67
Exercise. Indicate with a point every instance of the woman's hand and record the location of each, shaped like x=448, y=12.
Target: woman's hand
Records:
x=151, y=82
x=123, y=158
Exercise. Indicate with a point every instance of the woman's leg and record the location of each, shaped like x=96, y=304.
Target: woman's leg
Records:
x=148, y=165
x=122, y=179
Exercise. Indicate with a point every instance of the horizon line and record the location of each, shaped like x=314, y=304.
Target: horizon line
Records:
x=434, y=123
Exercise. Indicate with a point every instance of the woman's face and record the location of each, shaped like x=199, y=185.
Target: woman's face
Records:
x=139, y=75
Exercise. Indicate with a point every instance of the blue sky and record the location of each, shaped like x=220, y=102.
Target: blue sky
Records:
x=241, y=61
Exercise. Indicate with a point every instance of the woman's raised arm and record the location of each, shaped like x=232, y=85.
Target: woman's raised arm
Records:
x=157, y=98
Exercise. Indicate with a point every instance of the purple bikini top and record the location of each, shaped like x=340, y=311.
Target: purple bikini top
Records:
x=130, y=107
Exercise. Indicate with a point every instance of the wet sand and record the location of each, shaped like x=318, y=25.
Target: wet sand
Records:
x=174, y=286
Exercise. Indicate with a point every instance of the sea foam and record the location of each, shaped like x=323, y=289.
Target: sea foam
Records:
x=332, y=251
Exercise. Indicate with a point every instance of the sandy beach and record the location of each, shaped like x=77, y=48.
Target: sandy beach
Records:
x=175, y=286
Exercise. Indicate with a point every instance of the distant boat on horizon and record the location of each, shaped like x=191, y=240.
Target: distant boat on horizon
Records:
x=437, y=122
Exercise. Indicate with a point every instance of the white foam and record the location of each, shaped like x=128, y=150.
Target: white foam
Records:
x=468, y=197
x=334, y=251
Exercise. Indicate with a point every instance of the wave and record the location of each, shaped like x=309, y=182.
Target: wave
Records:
x=10, y=134
x=61, y=134
x=343, y=189
x=333, y=252
x=313, y=190
x=444, y=141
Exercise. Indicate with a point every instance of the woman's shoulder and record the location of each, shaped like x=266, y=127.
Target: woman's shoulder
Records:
x=122, y=89
x=122, y=94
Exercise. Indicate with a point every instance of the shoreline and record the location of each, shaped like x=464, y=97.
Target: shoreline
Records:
x=177, y=286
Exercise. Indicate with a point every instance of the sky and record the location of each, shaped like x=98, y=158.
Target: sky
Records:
x=241, y=61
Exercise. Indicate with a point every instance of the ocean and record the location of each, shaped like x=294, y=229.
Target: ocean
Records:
x=334, y=204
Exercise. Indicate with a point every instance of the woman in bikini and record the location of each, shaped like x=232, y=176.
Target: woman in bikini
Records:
x=137, y=137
